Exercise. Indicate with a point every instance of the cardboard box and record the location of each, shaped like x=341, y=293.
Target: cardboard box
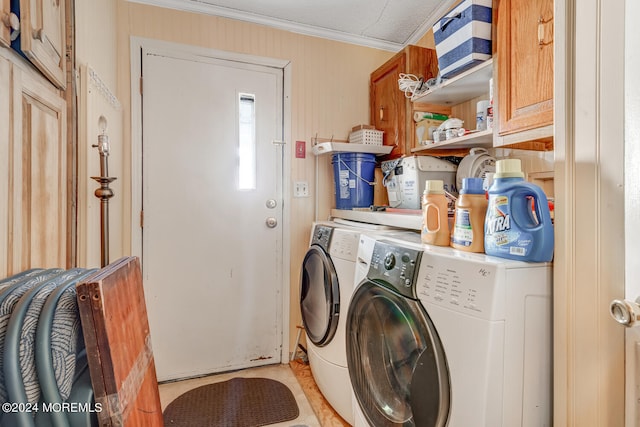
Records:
x=424, y=130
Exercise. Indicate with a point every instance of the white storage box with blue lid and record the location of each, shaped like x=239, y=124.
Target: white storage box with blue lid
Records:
x=463, y=37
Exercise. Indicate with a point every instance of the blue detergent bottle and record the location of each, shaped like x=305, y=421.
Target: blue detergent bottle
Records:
x=518, y=222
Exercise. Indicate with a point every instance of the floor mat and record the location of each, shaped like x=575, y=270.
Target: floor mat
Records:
x=238, y=402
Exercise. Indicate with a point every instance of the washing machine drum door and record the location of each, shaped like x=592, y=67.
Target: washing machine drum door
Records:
x=396, y=362
x=319, y=296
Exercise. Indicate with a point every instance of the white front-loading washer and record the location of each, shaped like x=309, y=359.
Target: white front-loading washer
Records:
x=448, y=338
x=326, y=286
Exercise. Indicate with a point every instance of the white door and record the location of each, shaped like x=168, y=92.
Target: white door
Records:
x=212, y=204
x=628, y=312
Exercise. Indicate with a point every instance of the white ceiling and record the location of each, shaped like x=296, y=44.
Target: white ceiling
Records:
x=383, y=24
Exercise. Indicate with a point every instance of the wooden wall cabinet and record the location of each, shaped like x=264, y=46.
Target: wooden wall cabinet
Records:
x=524, y=70
x=33, y=158
x=6, y=20
x=42, y=37
x=391, y=111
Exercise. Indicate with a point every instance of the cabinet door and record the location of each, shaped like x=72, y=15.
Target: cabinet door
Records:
x=42, y=37
x=525, y=64
x=38, y=178
x=5, y=29
x=388, y=106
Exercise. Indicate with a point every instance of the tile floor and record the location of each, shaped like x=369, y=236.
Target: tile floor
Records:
x=282, y=373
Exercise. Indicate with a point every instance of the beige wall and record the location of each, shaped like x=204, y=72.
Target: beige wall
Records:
x=330, y=93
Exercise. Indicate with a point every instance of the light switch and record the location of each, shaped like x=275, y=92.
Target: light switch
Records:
x=300, y=189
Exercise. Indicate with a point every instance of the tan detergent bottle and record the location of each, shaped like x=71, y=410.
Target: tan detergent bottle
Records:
x=435, y=215
x=469, y=216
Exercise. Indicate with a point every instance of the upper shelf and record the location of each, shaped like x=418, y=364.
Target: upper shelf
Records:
x=463, y=87
x=346, y=147
x=482, y=138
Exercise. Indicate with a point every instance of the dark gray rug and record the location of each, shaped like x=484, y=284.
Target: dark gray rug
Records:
x=238, y=402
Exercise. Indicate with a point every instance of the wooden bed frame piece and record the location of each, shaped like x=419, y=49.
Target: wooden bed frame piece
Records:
x=116, y=332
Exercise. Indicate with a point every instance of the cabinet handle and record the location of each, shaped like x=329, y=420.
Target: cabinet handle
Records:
x=541, y=27
x=11, y=21
x=38, y=34
x=381, y=113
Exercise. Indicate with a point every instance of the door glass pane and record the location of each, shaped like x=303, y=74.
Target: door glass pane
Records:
x=247, y=142
x=388, y=338
x=314, y=300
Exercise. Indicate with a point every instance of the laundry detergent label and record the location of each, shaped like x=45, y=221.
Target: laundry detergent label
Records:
x=344, y=184
x=502, y=236
x=462, y=230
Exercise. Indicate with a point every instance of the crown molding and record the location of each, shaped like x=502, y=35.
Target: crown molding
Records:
x=207, y=9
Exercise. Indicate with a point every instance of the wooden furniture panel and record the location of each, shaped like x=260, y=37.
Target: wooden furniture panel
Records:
x=116, y=331
x=391, y=112
x=37, y=173
x=5, y=27
x=42, y=37
x=5, y=109
x=525, y=65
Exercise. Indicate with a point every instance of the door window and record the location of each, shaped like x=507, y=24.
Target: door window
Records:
x=319, y=296
x=247, y=142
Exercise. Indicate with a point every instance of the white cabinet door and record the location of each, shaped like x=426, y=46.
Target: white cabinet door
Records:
x=42, y=37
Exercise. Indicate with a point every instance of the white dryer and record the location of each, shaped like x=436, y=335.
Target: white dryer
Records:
x=439, y=337
x=326, y=286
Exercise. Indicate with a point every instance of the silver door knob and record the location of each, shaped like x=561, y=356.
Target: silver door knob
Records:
x=271, y=203
x=271, y=222
x=625, y=312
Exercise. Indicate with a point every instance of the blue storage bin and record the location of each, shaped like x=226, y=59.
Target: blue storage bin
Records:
x=463, y=37
x=353, y=176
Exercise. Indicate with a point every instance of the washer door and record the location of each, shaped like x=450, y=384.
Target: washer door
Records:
x=396, y=362
x=319, y=296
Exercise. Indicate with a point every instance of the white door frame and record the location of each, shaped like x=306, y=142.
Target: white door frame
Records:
x=137, y=44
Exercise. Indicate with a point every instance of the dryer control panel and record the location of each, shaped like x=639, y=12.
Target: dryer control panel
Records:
x=322, y=236
x=395, y=266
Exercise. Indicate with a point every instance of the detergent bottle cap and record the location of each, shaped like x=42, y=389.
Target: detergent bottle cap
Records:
x=472, y=186
x=434, y=186
x=508, y=168
x=488, y=180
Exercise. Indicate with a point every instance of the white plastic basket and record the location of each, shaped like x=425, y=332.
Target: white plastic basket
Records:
x=366, y=136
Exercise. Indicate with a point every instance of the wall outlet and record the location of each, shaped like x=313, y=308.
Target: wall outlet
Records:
x=300, y=189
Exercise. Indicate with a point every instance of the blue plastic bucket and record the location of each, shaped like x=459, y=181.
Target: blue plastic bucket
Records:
x=353, y=175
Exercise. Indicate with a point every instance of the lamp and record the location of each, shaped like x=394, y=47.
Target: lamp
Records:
x=104, y=193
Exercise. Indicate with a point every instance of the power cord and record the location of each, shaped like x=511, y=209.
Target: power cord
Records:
x=411, y=85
